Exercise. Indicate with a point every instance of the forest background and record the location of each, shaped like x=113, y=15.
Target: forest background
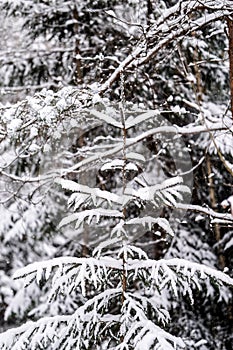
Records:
x=98, y=97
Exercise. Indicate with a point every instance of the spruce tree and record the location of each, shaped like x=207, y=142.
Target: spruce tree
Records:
x=123, y=302
x=177, y=49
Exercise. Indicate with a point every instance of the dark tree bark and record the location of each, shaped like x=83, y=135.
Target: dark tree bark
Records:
x=230, y=35
x=77, y=61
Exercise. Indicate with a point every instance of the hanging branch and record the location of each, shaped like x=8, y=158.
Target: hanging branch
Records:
x=171, y=36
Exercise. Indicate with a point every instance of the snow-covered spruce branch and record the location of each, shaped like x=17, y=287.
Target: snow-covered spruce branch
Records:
x=83, y=193
x=167, y=193
x=43, y=269
x=174, y=272
x=152, y=115
x=88, y=215
x=129, y=142
x=140, y=332
x=146, y=335
x=150, y=221
x=19, y=337
x=163, y=272
x=63, y=332
x=106, y=118
x=171, y=187
x=140, y=303
x=93, y=193
x=132, y=141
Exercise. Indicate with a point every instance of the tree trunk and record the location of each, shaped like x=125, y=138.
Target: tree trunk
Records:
x=213, y=201
x=77, y=61
x=149, y=11
x=230, y=36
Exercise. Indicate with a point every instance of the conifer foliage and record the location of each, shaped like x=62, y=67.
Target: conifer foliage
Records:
x=121, y=287
x=94, y=184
